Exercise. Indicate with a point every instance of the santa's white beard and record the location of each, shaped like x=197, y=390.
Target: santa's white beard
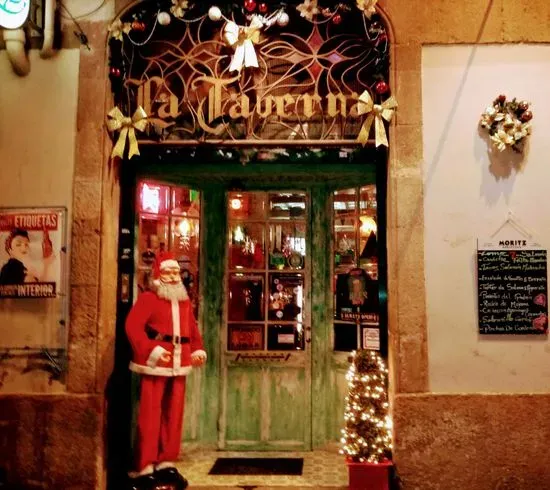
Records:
x=172, y=291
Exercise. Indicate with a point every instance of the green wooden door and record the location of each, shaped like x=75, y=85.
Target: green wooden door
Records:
x=266, y=355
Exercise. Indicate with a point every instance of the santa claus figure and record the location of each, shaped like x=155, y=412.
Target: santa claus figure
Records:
x=166, y=344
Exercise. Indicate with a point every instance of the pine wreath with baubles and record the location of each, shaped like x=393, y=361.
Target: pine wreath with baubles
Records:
x=508, y=123
x=366, y=436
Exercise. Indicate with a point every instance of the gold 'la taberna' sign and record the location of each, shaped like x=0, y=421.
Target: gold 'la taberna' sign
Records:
x=309, y=81
x=219, y=104
x=158, y=102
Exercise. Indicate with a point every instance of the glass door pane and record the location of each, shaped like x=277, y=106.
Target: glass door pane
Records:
x=356, y=289
x=169, y=220
x=274, y=222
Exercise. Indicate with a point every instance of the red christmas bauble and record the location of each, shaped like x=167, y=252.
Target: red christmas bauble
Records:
x=114, y=71
x=336, y=19
x=526, y=116
x=523, y=106
x=138, y=26
x=381, y=87
x=374, y=28
x=262, y=8
x=250, y=5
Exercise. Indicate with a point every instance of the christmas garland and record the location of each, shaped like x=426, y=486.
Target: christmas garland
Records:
x=508, y=123
x=269, y=11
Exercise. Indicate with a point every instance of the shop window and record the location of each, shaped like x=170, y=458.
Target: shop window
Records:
x=169, y=220
x=266, y=279
x=355, y=264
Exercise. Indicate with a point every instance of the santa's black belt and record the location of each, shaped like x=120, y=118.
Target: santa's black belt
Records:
x=155, y=335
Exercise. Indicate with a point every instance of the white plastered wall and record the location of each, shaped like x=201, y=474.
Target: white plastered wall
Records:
x=38, y=130
x=38, y=127
x=468, y=195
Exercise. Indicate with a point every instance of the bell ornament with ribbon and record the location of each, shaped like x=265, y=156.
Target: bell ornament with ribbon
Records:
x=242, y=39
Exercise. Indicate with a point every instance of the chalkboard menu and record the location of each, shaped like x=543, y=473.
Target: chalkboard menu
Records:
x=512, y=289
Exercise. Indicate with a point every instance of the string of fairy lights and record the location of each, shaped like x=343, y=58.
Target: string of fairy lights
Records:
x=367, y=432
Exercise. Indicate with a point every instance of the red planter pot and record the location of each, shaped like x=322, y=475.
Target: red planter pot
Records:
x=369, y=476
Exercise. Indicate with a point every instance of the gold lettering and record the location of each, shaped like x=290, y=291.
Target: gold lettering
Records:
x=281, y=101
x=140, y=95
x=214, y=103
x=215, y=94
x=141, y=100
x=172, y=103
x=219, y=129
x=332, y=109
x=157, y=101
x=309, y=110
x=268, y=108
x=241, y=107
x=150, y=95
x=353, y=111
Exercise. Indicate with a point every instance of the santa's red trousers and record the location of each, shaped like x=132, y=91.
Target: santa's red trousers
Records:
x=160, y=419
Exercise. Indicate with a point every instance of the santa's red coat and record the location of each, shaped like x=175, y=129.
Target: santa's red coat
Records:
x=173, y=318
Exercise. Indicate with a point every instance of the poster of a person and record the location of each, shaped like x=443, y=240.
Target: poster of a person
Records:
x=30, y=247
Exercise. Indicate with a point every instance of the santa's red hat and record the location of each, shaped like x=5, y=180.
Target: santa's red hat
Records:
x=162, y=261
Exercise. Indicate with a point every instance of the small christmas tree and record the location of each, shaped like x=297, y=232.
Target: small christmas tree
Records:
x=367, y=433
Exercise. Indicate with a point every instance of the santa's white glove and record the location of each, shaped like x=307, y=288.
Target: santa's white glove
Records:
x=158, y=353
x=198, y=358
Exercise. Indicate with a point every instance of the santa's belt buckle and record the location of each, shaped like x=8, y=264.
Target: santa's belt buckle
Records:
x=181, y=340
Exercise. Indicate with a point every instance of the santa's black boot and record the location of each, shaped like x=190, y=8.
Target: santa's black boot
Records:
x=143, y=482
x=171, y=476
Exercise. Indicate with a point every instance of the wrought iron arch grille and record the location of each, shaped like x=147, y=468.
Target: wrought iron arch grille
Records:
x=306, y=88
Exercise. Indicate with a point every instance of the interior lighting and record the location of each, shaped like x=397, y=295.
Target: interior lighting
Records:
x=236, y=204
x=368, y=225
x=150, y=198
x=239, y=235
x=184, y=227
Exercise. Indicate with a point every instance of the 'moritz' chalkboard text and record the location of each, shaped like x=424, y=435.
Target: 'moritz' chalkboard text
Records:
x=512, y=243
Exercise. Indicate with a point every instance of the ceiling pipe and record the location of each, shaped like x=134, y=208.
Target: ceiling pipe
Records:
x=15, y=48
x=15, y=40
x=49, y=23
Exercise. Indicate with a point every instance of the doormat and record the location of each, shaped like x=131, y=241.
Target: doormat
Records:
x=257, y=466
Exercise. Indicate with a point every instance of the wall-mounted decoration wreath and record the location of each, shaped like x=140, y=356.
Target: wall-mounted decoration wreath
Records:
x=508, y=123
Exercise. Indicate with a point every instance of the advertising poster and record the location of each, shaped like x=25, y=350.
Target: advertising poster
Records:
x=30, y=252
x=371, y=338
x=356, y=297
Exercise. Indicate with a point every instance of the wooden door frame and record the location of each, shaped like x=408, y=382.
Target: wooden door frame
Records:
x=215, y=177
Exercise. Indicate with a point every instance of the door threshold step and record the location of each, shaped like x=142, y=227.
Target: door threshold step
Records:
x=271, y=487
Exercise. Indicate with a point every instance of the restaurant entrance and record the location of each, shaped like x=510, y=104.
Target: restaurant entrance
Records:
x=261, y=248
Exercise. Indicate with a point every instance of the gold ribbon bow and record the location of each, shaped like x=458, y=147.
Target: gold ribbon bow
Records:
x=376, y=113
x=127, y=127
x=243, y=38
